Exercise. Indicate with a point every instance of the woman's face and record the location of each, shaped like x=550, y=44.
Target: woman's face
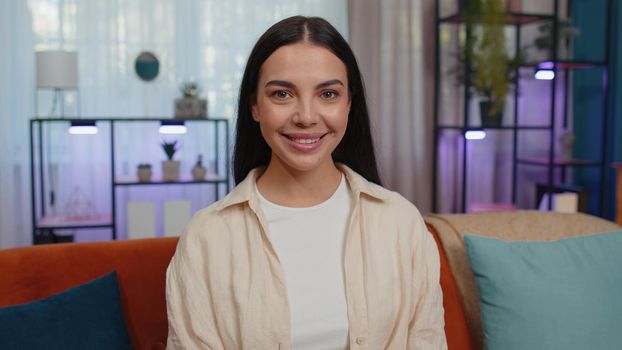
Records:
x=302, y=105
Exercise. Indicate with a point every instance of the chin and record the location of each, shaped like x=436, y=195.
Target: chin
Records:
x=303, y=165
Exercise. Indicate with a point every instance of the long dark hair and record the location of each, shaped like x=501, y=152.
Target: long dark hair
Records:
x=355, y=149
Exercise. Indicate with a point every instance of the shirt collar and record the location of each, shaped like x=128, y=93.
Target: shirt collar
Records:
x=245, y=190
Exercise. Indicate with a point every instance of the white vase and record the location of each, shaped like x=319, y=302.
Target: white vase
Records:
x=198, y=173
x=170, y=170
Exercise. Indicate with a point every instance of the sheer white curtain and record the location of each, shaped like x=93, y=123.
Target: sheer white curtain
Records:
x=16, y=105
x=204, y=41
x=394, y=43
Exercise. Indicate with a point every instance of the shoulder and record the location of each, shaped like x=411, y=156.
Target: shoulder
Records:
x=203, y=218
x=208, y=225
x=375, y=196
x=394, y=205
x=394, y=215
x=228, y=208
x=196, y=229
x=226, y=218
x=213, y=233
x=395, y=199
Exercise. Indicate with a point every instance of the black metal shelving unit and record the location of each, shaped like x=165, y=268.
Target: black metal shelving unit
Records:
x=549, y=163
x=45, y=225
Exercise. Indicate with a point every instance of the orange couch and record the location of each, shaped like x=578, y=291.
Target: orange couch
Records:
x=36, y=272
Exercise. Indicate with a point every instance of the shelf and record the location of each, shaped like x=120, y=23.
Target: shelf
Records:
x=64, y=221
x=125, y=119
x=219, y=182
x=559, y=162
x=473, y=127
x=184, y=180
x=568, y=64
x=510, y=18
x=538, y=114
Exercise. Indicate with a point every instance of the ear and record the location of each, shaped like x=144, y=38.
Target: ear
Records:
x=255, y=112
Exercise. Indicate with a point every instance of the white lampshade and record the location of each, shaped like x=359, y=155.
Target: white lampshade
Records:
x=57, y=69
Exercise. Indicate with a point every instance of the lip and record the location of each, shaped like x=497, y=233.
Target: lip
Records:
x=304, y=147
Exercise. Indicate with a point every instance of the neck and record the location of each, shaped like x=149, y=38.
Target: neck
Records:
x=290, y=187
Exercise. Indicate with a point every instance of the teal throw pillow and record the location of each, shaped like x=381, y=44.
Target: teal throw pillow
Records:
x=564, y=294
x=88, y=316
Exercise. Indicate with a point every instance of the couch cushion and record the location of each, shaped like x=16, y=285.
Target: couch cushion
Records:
x=521, y=225
x=563, y=294
x=83, y=317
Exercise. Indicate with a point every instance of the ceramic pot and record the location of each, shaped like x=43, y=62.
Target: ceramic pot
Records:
x=487, y=120
x=144, y=174
x=190, y=107
x=170, y=170
x=198, y=173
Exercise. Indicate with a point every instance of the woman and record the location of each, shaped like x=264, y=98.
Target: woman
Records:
x=308, y=251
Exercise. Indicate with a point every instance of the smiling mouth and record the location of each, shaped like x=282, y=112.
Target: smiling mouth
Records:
x=305, y=140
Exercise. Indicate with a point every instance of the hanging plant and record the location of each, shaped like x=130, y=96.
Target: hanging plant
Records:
x=491, y=70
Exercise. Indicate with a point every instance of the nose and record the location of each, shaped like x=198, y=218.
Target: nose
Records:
x=305, y=114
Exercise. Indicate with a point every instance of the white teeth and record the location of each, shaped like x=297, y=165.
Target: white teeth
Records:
x=305, y=141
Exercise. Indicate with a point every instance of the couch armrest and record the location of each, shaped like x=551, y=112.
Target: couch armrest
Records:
x=511, y=226
x=456, y=329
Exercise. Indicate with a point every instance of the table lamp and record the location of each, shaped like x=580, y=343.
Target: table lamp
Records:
x=58, y=70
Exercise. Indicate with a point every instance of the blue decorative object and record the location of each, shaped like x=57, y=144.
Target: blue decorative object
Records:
x=564, y=294
x=88, y=316
x=147, y=66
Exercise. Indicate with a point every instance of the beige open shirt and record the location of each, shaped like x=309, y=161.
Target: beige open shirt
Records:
x=225, y=287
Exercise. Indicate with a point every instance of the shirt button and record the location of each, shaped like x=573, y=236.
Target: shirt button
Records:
x=360, y=340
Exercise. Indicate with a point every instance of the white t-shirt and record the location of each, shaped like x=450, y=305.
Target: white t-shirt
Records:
x=309, y=243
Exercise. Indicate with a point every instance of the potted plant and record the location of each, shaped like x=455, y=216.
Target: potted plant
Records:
x=190, y=89
x=190, y=106
x=199, y=171
x=170, y=167
x=144, y=172
x=566, y=31
x=485, y=61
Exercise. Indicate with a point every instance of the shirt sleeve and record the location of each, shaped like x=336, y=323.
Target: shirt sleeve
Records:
x=191, y=321
x=427, y=324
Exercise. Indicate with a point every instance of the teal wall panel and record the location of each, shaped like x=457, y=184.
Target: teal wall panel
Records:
x=588, y=107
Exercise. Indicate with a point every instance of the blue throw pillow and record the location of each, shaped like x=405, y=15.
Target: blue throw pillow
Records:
x=564, y=294
x=88, y=316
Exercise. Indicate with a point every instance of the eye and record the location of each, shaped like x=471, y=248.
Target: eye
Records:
x=281, y=94
x=329, y=94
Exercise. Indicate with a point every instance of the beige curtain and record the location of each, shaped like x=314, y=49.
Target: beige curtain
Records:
x=394, y=43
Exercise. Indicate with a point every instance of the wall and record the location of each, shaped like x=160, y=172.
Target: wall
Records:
x=589, y=17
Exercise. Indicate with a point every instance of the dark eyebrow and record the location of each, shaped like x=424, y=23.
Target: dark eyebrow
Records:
x=329, y=83
x=282, y=83
x=289, y=85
